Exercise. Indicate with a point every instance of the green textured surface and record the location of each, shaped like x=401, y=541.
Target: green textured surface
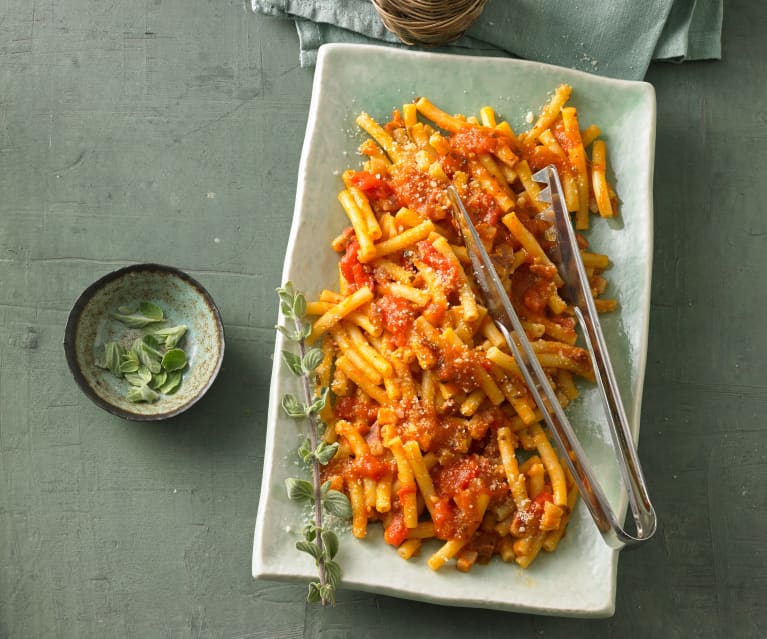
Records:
x=122, y=125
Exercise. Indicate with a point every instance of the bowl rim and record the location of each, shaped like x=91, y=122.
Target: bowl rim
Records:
x=73, y=320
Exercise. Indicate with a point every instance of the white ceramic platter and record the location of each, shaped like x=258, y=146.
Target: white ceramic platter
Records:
x=579, y=578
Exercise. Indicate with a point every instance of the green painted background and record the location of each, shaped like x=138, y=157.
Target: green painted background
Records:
x=170, y=131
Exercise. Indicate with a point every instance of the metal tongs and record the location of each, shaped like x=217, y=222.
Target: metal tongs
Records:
x=576, y=291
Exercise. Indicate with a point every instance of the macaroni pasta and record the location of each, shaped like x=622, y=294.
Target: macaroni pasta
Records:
x=439, y=436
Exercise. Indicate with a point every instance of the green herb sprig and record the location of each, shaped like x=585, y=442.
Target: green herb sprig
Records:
x=319, y=542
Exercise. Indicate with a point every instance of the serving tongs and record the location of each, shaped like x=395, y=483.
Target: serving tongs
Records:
x=576, y=291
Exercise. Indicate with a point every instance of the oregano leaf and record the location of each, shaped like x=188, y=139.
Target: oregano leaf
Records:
x=332, y=573
x=309, y=531
x=146, y=314
x=305, y=451
x=312, y=359
x=304, y=331
x=310, y=548
x=171, y=335
x=338, y=504
x=299, y=305
x=292, y=406
x=286, y=309
x=299, y=490
x=313, y=595
x=142, y=394
x=330, y=543
x=328, y=594
x=172, y=382
x=286, y=292
x=326, y=452
x=174, y=360
x=319, y=403
x=292, y=361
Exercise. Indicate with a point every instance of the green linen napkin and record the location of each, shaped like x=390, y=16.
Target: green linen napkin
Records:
x=616, y=38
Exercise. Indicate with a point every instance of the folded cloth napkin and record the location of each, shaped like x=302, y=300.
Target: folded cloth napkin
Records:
x=616, y=38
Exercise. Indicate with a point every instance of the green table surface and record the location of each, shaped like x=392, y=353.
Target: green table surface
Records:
x=170, y=131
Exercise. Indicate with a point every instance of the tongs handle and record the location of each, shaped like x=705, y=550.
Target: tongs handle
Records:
x=502, y=311
x=577, y=290
x=623, y=442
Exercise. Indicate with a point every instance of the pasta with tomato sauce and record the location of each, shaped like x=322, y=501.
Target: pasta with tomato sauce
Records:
x=439, y=438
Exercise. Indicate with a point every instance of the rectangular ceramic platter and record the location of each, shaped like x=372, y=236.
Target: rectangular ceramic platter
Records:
x=579, y=578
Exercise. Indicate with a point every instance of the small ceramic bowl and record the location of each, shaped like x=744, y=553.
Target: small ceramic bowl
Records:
x=183, y=301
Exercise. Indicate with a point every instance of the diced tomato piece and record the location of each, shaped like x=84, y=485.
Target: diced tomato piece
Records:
x=443, y=517
x=374, y=186
x=396, y=531
x=356, y=273
x=369, y=466
x=398, y=316
x=475, y=139
x=445, y=269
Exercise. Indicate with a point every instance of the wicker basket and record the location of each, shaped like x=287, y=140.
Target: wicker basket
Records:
x=428, y=22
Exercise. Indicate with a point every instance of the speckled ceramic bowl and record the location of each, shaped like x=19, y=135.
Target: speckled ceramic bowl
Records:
x=183, y=301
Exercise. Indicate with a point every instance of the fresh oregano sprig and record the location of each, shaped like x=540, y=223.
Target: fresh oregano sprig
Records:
x=319, y=542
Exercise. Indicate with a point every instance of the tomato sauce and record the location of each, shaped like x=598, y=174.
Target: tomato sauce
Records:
x=397, y=316
x=374, y=186
x=453, y=162
x=482, y=207
x=458, y=364
x=418, y=191
x=446, y=270
x=355, y=410
x=474, y=140
x=396, y=532
x=369, y=466
x=357, y=274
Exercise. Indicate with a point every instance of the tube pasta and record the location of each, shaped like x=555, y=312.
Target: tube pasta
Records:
x=439, y=439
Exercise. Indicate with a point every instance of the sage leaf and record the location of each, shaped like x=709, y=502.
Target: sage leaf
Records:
x=299, y=489
x=293, y=362
x=325, y=488
x=172, y=383
x=330, y=543
x=338, y=504
x=170, y=336
x=142, y=394
x=146, y=314
x=310, y=548
x=174, y=360
x=312, y=359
